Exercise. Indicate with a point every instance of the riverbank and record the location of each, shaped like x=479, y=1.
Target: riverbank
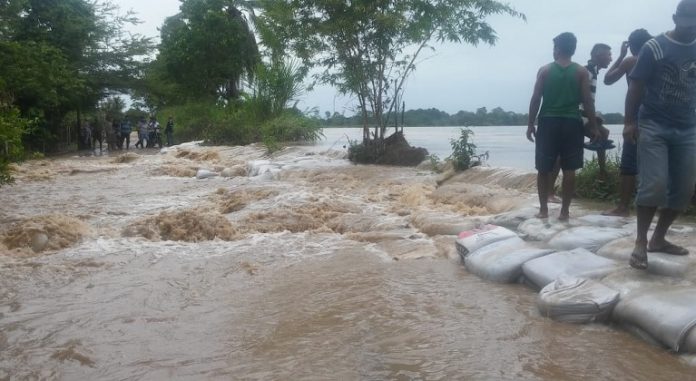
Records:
x=297, y=265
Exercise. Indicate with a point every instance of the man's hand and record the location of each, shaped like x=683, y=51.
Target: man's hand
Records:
x=624, y=49
x=630, y=132
x=531, y=133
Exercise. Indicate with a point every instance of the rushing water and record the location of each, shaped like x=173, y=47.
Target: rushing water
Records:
x=321, y=270
x=507, y=146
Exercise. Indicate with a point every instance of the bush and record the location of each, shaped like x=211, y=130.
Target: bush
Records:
x=464, y=151
x=590, y=185
x=393, y=150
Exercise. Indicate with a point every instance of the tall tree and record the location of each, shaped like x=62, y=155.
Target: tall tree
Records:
x=368, y=48
x=207, y=48
x=60, y=56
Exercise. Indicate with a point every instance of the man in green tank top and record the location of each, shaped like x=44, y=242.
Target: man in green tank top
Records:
x=562, y=85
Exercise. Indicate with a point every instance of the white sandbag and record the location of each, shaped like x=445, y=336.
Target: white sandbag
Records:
x=578, y=263
x=598, y=220
x=502, y=261
x=513, y=219
x=575, y=300
x=690, y=342
x=668, y=315
x=658, y=263
x=537, y=229
x=471, y=240
x=587, y=237
x=205, y=174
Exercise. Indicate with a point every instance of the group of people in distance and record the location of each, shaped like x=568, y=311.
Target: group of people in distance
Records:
x=659, y=136
x=118, y=136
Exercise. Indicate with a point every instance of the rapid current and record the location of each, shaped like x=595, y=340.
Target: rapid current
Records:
x=293, y=266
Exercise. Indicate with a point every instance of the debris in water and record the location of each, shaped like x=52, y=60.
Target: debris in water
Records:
x=189, y=225
x=50, y=232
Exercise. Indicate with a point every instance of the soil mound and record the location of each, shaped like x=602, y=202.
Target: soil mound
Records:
x=395, y=150
x=189, y=225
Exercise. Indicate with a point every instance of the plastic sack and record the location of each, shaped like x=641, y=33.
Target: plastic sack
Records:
x=471, y=240
x=536, y=229
x=502, y=261
x=597, y=220
x=513, y=219
x=668, y=315
x=205, y=174
x=575, y=300
x=658, y=263
x=578, y=263
x=586, y=237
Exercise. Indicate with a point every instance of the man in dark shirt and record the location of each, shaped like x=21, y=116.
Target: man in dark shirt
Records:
x=663, y=84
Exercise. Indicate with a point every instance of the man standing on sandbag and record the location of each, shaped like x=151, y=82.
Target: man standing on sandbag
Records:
x=663, y=88
x=562, y=85
x=629, y=161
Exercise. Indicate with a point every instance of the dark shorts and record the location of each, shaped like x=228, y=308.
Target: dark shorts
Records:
x=629, y=159
x=559, y=137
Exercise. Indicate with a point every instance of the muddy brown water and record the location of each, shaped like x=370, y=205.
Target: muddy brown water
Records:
x=334, y=272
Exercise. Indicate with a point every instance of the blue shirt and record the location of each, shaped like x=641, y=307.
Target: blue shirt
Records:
x=668, y=69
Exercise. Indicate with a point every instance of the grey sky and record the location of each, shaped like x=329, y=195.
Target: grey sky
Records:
x=461, y=77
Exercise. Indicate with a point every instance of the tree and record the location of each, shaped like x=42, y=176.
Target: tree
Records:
x=63, y=56
x=368, y=48
x=206, y=49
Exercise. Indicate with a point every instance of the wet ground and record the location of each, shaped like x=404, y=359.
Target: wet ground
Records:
x=296, y=266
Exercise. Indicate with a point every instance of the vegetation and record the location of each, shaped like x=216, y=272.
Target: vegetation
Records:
x=433, y=117
x=368, y=48
x=590, y=185
x=464, y=151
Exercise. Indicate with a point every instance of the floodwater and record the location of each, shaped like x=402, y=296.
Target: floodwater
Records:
x=298, y=266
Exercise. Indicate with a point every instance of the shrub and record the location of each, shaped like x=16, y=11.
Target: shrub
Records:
x=590, y=185
x=12, y=128
x=464, y=151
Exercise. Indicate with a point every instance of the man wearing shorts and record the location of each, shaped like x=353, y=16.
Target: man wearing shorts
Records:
x=562, y=85
x=629, y=159
x=663, y=85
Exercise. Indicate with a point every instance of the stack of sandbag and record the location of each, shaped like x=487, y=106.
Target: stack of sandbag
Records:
x=540, y=229
x=576, y=300
x=502, y=261
x=579, y=263
x=667, y=315
x=588, y=237
x=471, y=240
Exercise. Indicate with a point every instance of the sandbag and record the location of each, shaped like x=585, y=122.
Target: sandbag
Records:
x=502, y=261
x=598, y=220
x=658, y=263
x=537, y=229
x=575, y=300
x=587, y=237
x=205, y=174
x=690, y=343
x=471, y=240
x=667, y=314
x=513, y=219
x=578, y=263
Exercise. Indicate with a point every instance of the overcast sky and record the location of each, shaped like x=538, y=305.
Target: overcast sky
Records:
x=461, y=77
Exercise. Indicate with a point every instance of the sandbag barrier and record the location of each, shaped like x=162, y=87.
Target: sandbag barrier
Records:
x=579, y=286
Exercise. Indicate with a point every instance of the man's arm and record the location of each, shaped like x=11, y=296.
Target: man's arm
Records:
x=535, y=103
x=634, y=96
x=612, y=74
x=588, y=102
x=615, y=73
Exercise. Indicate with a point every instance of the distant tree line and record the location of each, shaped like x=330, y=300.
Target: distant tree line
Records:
x=433, y=117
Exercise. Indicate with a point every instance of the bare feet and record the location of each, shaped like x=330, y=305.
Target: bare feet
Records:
x=639, y=257
x=542, y=215
x=563, y=216
x=667, y=248
x=619, y=211
x=553, y=199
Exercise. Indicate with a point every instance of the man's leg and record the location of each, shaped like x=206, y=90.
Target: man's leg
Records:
x=543, y=189
x=639, y=257
x=567, y=194
x=553, y=177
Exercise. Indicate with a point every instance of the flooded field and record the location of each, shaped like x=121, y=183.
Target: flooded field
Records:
x=294, y=266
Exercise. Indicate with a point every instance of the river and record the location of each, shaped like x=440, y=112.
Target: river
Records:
x=507, y=146
x=300, y=266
